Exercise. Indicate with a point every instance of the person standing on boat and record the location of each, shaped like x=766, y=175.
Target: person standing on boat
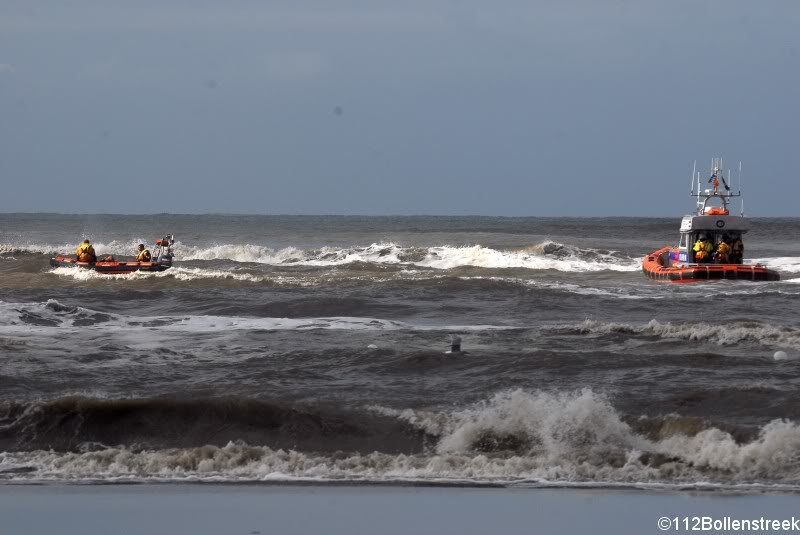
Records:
x=737, y=251
x=143, y=255
x=702, y=249
x=723, y=251
x=85, y=252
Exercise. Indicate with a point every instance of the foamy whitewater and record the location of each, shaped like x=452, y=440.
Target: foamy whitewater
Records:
x=317, y=349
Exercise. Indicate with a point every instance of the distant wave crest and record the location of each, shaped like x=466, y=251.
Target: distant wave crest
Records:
x=723, y=334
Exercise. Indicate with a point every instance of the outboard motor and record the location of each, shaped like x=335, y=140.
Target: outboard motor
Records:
x=163, y=251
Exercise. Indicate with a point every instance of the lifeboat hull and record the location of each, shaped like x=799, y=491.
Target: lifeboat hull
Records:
x=657, y=267
x=111, y=267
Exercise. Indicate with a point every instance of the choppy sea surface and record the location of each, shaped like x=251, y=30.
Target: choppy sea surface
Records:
x=285, y=348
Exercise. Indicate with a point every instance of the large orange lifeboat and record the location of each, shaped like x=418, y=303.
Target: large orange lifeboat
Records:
x=657, y=266
x=711, y=246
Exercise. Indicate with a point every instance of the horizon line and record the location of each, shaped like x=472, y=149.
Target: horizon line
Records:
x=252, y=214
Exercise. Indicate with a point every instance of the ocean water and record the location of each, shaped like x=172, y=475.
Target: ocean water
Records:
x=290, y=348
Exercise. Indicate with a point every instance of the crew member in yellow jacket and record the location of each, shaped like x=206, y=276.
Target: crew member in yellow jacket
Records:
x=85, y=252
x=143, y=255
x=703, y=249
x=723, y=252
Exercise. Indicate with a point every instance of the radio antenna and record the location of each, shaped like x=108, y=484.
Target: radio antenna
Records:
x=698, y=182
x=741, y=206
x=740, y=176
x=691, y=181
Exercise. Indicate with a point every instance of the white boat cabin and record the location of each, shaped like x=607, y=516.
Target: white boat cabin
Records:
x=713, y=222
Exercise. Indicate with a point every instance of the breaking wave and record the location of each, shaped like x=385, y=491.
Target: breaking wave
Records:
x=76, y=423
x=730, y=333
x=514, y=437
x=547, y=255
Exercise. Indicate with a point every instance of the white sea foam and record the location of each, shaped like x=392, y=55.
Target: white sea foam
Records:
x=774, y=454
x=115, y=247
x=547, y=255
x=242, y=253
x=8, y=248
x=544, y=256
x=579, y=434
x=441, y=257
x=516, y=436
x=376, y=253
x=179, y=273
x=572, y=260
x=787, y=264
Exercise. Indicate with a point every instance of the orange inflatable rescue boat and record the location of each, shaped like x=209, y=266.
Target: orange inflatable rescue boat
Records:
x=711, y=246
x=161, y=260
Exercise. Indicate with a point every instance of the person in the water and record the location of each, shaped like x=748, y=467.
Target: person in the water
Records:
x=85, y=252
x=143, y=255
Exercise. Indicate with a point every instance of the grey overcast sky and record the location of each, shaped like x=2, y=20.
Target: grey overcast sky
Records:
x=559, y=107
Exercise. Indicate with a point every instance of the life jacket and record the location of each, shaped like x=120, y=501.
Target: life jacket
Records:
x=723, y=248
x=85, y=253
x=702, y=249
x=699, y=246
x=144, y=256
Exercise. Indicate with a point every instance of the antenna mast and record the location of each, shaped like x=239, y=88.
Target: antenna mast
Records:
x=741, y=206
x=691, y=181
x=698, y=190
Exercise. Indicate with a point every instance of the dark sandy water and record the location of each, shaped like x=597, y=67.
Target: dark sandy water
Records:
x=313, y=347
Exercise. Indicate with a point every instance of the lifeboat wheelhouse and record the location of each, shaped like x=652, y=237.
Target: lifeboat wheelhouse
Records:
x=711, y=241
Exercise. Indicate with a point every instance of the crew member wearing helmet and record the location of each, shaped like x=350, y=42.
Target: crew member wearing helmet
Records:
x=85, y=252
x=702, y=249
x=144, y=254
x=723, y=251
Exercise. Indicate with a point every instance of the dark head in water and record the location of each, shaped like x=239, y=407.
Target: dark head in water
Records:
x=455, y=345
